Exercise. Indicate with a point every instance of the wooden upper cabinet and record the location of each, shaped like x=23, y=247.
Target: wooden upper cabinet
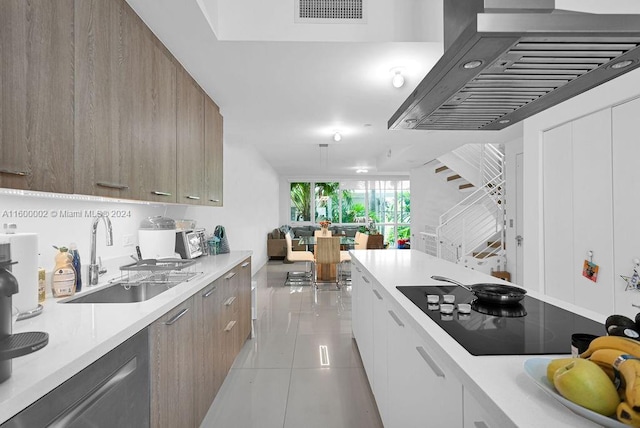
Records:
x=36, y=106
x=125, y=125
x=213, y=153
x=156, y=151
x=190, y=140
x=107, y=60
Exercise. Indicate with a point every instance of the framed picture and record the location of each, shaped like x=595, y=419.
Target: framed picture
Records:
x=590, y=270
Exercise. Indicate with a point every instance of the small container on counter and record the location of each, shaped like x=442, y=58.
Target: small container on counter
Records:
x=42, y=291
x=75, y=261
x=63, y=281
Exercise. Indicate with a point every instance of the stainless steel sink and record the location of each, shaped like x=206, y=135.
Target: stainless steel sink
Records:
x=131, y=292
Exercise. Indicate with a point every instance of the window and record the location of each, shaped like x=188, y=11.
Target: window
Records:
x=300, y=202
x=327, y=202
x=385, y=202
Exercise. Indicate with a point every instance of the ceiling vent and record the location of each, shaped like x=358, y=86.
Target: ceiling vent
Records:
x=330, y=11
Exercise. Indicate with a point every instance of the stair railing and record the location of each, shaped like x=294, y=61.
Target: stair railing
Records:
x=469, y=226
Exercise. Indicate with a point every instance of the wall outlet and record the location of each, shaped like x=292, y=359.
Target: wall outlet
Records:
x=127, y=240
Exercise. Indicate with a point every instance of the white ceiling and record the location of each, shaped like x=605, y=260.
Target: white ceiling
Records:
x=286, y=88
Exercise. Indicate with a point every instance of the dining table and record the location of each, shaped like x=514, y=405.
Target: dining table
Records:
x=327, y=272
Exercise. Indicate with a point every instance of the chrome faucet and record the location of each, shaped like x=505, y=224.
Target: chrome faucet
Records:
x=94, y=269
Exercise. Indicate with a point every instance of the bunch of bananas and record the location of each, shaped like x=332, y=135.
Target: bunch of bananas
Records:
x=619, y=357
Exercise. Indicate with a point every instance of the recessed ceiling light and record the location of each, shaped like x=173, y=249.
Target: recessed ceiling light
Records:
x=410, y=121
x=503, y=121
x=337, y=137
x=622, y=64
x=362, y=171
x=472, y=64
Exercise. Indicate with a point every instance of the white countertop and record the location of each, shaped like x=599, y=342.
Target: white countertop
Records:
x=81, y=333
x=498, y=382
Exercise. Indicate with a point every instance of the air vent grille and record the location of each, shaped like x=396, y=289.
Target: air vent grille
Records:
x=527, y=72
x=350, y=10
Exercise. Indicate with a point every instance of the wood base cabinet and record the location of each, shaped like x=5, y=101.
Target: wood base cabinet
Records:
x=173, y=368
x=194, y=345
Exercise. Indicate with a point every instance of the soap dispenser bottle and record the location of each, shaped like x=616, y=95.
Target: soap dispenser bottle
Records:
x=64, y=276
x=77, y=266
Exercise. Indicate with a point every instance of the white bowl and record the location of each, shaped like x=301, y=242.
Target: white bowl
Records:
x=446, y=308
x=464, y=308
x=449, y=298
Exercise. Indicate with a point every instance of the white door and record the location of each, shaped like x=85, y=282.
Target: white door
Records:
x=519, y=244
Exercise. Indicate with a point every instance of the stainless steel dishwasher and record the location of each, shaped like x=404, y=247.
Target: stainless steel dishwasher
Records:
x=111, y=392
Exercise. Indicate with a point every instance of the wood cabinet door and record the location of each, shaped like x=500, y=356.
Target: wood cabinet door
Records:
x=208, y=347
x=173, y=372
x=111, y=58
x=36, y=106
x=213, y=132
x=155, y=151
x=190, y=140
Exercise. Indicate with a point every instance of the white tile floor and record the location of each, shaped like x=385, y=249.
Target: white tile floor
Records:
x=282, y=378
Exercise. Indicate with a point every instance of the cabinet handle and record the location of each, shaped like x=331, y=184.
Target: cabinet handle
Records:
x=366, y=280
x=230, y=301
x=177, y=317
x=195, y=198
x=377, y=294
x=112, y=185
x=14, y=172
x=245, y=264
x=231, y=275
x=396, y=319
x=230, y=326
x=358, y=269
x=214, y=200
x=480, y=424
x=209, y=292
x=85, y=403
x=158, y=193
x=430, y=362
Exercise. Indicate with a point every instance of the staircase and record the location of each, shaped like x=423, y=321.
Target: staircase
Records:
x=472, y=232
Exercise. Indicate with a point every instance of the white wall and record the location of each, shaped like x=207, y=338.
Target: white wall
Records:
x=408, y=20
x=431, y=196
x=511, y=150
x=609, y=94
x=251, y=189
x=250, y=211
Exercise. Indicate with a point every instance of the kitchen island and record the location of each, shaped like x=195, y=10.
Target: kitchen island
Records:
x=80, y=334
x=454, y=387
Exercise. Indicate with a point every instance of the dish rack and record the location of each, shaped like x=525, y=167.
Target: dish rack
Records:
x=156, y=272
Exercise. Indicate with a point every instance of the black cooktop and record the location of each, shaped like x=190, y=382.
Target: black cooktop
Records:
x=532, y=327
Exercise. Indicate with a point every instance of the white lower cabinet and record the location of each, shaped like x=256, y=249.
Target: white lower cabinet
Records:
x=364, y=320
x=421, y=390
x=380, y=361
x=475, y=416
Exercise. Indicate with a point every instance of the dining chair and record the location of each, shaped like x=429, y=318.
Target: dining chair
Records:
x=298, y=257
x=360, y=244
x=328, y=253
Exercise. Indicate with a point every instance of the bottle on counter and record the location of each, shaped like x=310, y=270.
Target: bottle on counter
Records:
x=41, y=285
x=75, y=254
x=63, y=282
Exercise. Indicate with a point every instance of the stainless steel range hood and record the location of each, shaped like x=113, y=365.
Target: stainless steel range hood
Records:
x=510, y=59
